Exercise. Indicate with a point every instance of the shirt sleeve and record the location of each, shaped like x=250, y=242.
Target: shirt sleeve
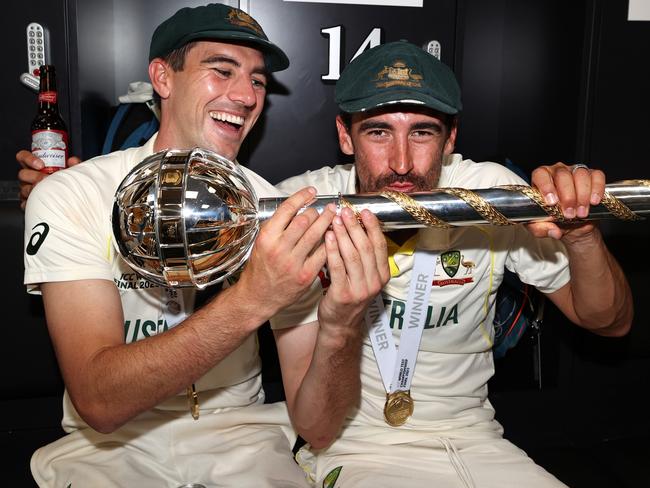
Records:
x=542, y=263
x=62, y=240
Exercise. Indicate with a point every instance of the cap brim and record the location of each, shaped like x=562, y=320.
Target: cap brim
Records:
x=397, y=97
x=274, y=58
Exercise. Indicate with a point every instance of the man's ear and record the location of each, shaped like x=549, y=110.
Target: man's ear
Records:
x=450, y=144
x=160, y=79
x=345, y=141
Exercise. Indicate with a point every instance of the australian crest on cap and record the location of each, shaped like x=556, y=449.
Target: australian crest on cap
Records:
x=241, y=18
x=399, y=74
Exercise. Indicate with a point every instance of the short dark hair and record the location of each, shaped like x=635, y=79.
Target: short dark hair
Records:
x=176, y=61
x=346, y=118
x=176, y=58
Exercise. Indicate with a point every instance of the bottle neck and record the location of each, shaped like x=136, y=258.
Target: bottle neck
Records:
x=48, y=100
x=47, y=94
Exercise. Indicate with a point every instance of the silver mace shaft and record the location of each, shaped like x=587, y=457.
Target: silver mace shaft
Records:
x=189, y=217
x=502, y=205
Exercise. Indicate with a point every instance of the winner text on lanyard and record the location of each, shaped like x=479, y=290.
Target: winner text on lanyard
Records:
x=397, y=367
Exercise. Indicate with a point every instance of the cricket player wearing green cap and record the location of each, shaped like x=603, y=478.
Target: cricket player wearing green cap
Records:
x=157, y=393
x=405, y=400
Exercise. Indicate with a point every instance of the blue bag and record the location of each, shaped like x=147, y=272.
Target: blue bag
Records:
x=135, y=120
x=516, y=303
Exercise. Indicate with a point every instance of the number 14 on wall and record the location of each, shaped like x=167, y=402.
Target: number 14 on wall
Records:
x=335, y=60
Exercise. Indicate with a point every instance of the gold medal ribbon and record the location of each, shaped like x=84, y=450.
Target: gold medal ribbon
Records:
x=193, y=401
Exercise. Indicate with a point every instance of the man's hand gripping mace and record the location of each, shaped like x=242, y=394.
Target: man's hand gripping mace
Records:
x=190, y=217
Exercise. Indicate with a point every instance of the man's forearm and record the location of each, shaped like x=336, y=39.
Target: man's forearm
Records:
x=600, y=294
x=330, y=387
x=122, y=381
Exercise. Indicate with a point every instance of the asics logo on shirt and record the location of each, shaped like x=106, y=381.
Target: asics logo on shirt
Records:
x=39, y=234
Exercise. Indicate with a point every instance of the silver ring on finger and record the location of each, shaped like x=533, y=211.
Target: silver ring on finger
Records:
x=576, y=167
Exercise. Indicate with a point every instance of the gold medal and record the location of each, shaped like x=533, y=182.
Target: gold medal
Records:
x=399, y=407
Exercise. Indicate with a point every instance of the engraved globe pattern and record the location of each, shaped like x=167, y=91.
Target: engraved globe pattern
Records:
x=185, y=218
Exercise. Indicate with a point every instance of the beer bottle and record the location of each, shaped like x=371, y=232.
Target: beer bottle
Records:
x=49, y=132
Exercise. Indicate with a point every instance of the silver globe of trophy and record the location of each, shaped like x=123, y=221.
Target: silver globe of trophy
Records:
x=188, y=218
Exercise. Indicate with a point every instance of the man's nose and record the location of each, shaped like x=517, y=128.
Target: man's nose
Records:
x=242, y=91
x=401, y=161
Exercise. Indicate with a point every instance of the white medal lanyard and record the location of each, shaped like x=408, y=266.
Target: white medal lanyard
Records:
x=397, y=367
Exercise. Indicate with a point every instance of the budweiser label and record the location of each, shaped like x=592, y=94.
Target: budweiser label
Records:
x=51, y=146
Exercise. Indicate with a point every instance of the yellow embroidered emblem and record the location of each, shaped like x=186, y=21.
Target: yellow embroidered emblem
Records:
x=237, y=17
x=398, y=74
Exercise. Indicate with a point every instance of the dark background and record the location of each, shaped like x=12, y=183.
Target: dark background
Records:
x=542, y=81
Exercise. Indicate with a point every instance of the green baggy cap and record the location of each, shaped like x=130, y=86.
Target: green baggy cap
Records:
x=218, y=22
x=397, y=72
